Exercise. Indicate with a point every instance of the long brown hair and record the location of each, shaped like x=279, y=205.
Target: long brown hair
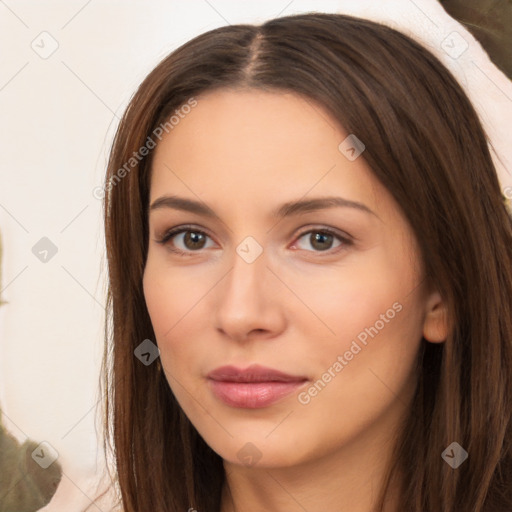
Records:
x=426, y=145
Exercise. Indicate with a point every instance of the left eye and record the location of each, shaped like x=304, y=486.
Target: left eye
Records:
x=194, y=240
x=320, y=238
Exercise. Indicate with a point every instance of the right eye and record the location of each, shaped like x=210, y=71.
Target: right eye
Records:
x=194, y=239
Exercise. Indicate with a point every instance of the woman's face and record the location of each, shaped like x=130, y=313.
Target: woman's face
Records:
x=342, y=312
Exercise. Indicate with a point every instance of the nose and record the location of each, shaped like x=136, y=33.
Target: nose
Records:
x=250, y=301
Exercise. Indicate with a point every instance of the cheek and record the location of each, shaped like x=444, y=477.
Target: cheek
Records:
x=345, y=301
x=369, y=313
x=361, y=370
x=170, y=293
x=165, y=303
x=174, y=298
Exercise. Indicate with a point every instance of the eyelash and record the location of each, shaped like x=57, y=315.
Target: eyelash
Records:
x=182, y=229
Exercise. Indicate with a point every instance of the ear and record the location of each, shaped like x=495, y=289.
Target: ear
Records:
x=436, y=325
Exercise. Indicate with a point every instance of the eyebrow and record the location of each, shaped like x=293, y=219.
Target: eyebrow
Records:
x=285, y=210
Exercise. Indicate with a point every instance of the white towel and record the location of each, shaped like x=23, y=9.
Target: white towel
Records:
x=488, y=88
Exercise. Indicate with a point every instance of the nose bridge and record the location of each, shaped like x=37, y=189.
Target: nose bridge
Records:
x=247, y=300
x=249, y=265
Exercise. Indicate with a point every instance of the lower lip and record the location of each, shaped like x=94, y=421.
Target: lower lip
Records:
x=252, y=395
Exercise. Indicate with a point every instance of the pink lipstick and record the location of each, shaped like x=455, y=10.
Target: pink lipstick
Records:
x=254, y=387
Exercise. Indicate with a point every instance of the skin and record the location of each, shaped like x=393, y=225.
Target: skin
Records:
x=296, y=308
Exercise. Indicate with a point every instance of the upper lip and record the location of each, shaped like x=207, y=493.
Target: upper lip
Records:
x=253, y=373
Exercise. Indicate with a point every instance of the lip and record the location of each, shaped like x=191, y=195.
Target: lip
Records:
x=253, y=387
x=253, y=373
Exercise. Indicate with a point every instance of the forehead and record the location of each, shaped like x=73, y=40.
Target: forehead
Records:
x=240, y=123
x=257, y=142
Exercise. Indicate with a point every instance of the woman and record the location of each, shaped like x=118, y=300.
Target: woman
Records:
x=305, y=219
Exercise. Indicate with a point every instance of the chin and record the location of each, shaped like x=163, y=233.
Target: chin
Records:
x=259, y=452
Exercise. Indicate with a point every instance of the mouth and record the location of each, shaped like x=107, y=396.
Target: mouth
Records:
x=254, y=387
x=253, y=373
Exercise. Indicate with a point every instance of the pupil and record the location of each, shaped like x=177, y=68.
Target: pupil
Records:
x=318, y=237
x=194, y=237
